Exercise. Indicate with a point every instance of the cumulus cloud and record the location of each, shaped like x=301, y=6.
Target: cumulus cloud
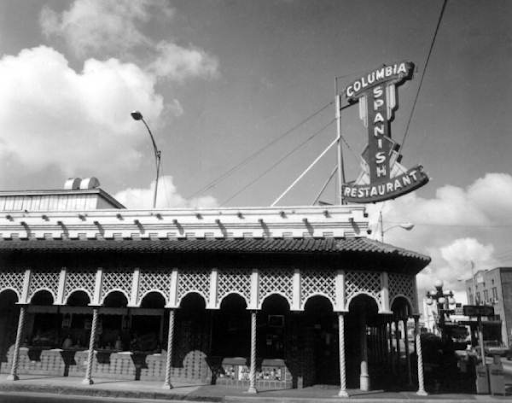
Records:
x=91, y=26
x=167, y=197
x=52, y=115
x=115, y=27
x=456, y=227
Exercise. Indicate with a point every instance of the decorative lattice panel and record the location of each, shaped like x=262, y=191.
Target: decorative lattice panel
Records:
x=12, y=279
x=154, y=280
x=44, y=280
x=82, y=280
x=363, y=282
x=197, y=280
x=117, y=279
x=276, y=281
x=234, y=280
x=402, y=285
x=314, y=282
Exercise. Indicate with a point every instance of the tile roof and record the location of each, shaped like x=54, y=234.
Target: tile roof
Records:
x=323, y=246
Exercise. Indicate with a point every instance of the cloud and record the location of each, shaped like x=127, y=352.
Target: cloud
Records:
x=177, y=63
x=52, y=115
x=92, y=26
x=167, y=197
x=115, y=27
x=457, y=226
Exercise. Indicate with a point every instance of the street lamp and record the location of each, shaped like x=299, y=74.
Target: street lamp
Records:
x=406, y=226
x=443, y=300
x=136, y=115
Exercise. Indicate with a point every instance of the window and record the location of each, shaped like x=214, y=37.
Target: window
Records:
x=486, y=296
x=477, y=297
x=495, y=293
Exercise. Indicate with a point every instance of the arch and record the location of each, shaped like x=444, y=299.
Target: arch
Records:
x=363, y=294
x=80, y=290
x=273, y=295
x=230, y=295
x=42, y=297
x=234, y=299
x=8, y=290
x=78, y=297
x=318, y=295
x=189, y=292
x=402, y=307
x=153, y=300
x=152, y=291
x=115, y=299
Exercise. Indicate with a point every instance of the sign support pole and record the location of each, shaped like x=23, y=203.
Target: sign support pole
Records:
x=341, y=168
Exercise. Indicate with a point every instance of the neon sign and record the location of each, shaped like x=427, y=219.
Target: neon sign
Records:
x=382, y=177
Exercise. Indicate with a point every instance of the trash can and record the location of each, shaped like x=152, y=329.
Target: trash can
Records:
x=482, y=379
x=496, y=377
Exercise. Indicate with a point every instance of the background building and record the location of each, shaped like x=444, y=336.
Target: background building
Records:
x=494, y=287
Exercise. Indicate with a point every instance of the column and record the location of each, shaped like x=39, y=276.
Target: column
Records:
x=252, y=371
x=343, y=367
x=397, y=339
x=391, y=355
x=16, y=353
x=421, y=383
x=364, y=378
x=407, y=357
x=168, y=361
x=90, y=357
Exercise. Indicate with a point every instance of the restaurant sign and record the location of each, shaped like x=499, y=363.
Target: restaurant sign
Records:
x=382, y=177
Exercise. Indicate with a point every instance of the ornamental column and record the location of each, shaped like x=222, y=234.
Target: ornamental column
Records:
x=421, y=383
x=343, y=367
x=16, y=353
x=90, y=357
x=364, y=378
x=397, y=339
x=168, y=361
x=407, y=356
x=252, y=371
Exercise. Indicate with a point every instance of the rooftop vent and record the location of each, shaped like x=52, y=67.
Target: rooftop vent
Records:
x=72, y=184
x=90, y=183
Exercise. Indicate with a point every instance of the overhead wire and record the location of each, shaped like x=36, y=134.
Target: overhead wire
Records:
x=279, y=161
x=249, y=158
x=424, y=71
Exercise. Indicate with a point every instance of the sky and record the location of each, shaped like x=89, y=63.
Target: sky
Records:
x=239, y=97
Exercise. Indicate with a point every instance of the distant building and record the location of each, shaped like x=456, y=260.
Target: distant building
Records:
x=265, y=297
x=494, y=287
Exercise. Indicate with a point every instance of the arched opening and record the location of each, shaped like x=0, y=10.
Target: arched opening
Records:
x=272, y=322
x=321, y=338
x=360, y=346
x=147, y=322
x=402, y=340
x=231, y=328
x=43, y=321
x=76, y=319
x=192, y=337
x=9, y=314
x=114, y=323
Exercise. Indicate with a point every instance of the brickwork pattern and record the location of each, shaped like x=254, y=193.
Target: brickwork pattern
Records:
x=276, y=281
x=82, y=280
x=44, y=279
x=318, y=282
x=12, y=279
x=402, y=285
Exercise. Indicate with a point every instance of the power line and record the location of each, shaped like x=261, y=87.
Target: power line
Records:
x=424, y=71
x=279, y=161
x=230, y=171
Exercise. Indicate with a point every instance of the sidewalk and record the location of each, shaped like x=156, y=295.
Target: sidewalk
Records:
x=214, y=393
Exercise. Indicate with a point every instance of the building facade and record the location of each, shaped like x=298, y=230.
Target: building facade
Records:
x=254, y=297
x=494, y=287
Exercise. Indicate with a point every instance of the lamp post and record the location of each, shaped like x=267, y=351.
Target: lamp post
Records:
x=443, y=300
x=406, y=226
x=136, y=115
